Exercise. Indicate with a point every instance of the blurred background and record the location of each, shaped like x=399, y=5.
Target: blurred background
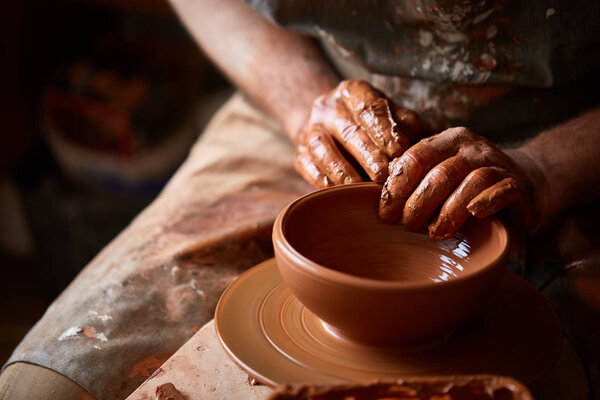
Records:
x=100, y=102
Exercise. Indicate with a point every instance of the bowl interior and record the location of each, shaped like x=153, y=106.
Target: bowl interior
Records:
x=338, y=228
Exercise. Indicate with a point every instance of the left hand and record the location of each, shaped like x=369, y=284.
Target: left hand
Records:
x=460, y=171
x=353, y=126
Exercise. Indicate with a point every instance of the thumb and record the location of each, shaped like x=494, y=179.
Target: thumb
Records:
x=493, y=199
x=506, y=193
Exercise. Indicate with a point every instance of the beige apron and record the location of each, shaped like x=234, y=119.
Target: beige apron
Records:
x=158, y=282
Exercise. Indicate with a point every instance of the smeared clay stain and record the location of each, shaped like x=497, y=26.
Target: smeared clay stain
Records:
x=177, y=297
x=146, y=366
x=227, y=211
x=156, y=373
x=89, y=331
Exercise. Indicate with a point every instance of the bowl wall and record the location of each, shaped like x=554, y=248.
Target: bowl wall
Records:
x=377, y=282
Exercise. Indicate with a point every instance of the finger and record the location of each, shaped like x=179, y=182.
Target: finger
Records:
x=407, y=171
x=408, y=121
x=454, y=212
x=437, y=185
x=371, y=109
x=356, y=141
x=498, y=196
x=309, y=170
x=329, y=159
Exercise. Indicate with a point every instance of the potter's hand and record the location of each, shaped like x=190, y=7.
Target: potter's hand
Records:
x=354, y=122
x=460, y=171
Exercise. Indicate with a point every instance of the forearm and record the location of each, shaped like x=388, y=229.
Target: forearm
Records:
x=564, y=163
x=281, y=71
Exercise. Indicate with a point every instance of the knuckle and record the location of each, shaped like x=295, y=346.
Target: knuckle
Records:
x=321, y=102
x=410, y=119
x=344, y=84
x=460, y=133
x=350, y=131
x=482, y=175
x=354, y=83
x=342, y=88
x=424, y=142
x=301, y=150
x=441, y=173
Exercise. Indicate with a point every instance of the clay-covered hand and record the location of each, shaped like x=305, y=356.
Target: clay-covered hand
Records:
x=459, y=171
x=354, y=126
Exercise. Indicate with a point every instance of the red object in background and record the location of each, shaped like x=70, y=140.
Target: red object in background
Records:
x=124, y=115
x=102, y=126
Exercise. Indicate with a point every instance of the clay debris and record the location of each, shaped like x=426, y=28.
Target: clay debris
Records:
x=466, y=387
x=167, y=391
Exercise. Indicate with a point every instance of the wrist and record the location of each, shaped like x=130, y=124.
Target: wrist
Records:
x=294, y=119
x=532, y=168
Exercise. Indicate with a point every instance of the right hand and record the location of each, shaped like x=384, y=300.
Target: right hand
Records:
x=353, y=126
x=449, y=177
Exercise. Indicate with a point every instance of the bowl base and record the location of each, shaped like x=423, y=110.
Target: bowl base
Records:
x=414, y=346
x=276, y=340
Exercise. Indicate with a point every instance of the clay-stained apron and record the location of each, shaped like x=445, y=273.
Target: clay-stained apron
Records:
x=158, y=282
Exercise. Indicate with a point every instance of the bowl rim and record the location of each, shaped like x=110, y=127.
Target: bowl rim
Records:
x=328, y=275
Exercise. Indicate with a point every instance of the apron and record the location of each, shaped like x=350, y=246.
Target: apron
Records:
x=158, y=282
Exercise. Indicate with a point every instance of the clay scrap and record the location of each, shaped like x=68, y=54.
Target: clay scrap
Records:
x=465, y=387
x=167, y=391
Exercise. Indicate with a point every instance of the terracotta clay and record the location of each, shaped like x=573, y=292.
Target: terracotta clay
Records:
x=167, y=391
x=371, y=109
x=276, y=340
x=353, y=127
x=379, y=283
x=465, y=387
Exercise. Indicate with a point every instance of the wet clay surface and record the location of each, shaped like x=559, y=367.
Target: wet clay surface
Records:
x=475, y=387
x=379, y=283
x=276, y=340
x=343, y=232
x=351, y=130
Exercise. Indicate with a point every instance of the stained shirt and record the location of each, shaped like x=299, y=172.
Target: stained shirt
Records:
x=449, y=59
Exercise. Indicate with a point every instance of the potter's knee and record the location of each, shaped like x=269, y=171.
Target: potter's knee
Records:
x=23, y=381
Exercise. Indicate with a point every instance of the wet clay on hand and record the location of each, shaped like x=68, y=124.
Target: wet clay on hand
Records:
x=351, y=128
x=460, y=172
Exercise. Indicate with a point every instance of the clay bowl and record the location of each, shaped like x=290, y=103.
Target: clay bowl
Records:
x=379, y=283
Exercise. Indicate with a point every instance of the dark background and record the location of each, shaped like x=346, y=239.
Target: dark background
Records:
x=53, y=218
x=55, y=215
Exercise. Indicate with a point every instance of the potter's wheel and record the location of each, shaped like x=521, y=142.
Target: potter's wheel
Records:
x=275, y=339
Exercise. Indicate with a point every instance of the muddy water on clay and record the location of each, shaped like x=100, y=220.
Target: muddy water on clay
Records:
x=345, y=234
x=400, y=255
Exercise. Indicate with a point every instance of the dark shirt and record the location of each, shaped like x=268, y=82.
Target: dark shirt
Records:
x=450, y=59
